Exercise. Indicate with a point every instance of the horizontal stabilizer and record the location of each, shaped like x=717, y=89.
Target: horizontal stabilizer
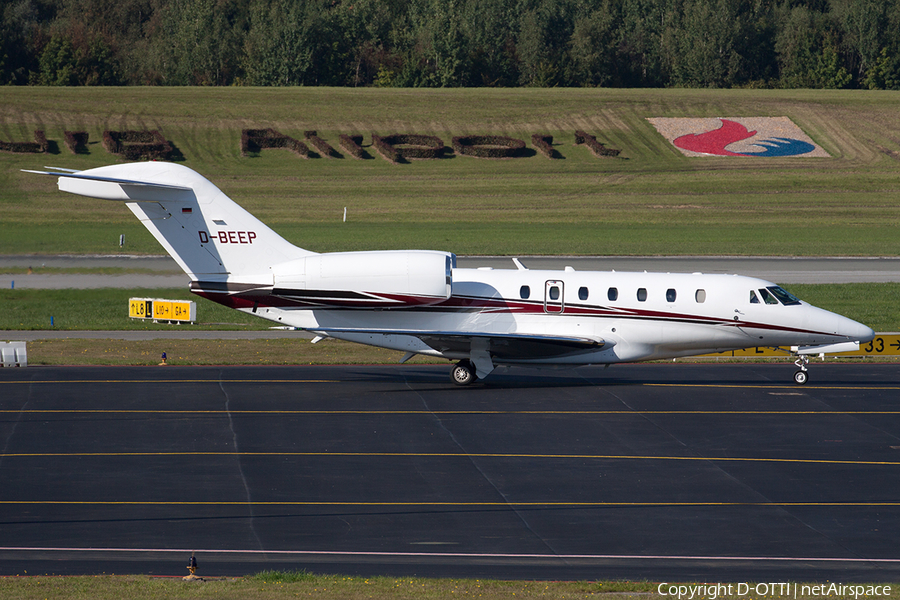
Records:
x=66, y=173
x=55, y=169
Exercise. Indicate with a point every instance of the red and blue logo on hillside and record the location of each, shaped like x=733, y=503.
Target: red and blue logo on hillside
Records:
x=751, y=136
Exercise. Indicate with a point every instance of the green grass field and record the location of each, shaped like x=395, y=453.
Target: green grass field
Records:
x=651, y=200
x=107, y=309
x=275, y=585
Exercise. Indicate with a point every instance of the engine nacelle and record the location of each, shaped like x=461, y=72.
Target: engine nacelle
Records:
x=380, y=279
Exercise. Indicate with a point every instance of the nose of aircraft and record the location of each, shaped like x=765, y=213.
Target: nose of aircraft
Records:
x=861, y=332
x=838, y=326
x=852, y=330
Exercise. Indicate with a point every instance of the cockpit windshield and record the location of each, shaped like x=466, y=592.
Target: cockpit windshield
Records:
x=785, y=297
x=767, y=297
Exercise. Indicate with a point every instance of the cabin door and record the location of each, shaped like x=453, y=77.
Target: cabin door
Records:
x=553, y=297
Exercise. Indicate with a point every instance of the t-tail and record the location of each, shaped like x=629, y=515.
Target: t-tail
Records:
x=235, y=259
x=210, y=236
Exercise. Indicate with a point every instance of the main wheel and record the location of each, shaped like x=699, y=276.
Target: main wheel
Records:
x=463, y=373
x=801, y=377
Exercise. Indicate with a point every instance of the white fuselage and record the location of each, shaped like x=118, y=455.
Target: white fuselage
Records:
x=639, y=316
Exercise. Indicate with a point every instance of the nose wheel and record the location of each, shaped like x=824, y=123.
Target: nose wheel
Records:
x=801, y=376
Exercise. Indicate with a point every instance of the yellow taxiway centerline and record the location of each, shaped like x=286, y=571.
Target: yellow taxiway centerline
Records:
x=447, y=455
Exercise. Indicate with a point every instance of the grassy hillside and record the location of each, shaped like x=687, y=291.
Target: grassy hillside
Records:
x=651, y=200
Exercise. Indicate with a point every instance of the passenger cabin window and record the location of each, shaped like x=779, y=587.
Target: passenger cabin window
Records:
x=582, y=293
x=767, y=297
x=524, y=292
x=753, y=298
x=612, y=294
x=670, y=295
x=700, y=296
x=642, y=294
x=554, y=292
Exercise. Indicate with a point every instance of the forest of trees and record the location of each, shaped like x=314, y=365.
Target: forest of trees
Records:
x=453, y=43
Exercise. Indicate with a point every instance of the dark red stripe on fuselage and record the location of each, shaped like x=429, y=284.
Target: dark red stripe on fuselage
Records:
x=248, y=296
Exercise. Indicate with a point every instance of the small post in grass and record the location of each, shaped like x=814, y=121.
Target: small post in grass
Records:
x=192, y=567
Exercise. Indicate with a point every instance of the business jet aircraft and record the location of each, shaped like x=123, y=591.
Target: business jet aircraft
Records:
x=419, y=302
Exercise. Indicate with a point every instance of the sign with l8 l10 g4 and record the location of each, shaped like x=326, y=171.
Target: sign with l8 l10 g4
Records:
x=158, y=309
x=884, y=344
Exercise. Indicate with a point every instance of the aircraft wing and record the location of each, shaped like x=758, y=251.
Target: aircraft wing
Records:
x=501, y=346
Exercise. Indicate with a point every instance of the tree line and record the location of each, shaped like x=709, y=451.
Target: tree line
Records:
x=453, y=43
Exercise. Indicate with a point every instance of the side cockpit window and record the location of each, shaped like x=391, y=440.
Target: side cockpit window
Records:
x=753, y=298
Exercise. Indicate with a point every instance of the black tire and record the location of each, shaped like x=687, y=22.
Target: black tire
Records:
x=462, y=373
x=801, y=377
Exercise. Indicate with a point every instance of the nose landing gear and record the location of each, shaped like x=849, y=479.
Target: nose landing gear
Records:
x=801, y=376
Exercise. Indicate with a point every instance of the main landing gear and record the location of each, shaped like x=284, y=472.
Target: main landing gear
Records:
x=801, y=376
x=463, y=373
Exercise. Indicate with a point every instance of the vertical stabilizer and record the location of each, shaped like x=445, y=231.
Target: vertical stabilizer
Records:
x=209, y=235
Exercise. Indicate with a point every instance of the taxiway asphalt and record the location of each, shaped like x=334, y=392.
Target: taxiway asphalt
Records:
x=668, y=472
